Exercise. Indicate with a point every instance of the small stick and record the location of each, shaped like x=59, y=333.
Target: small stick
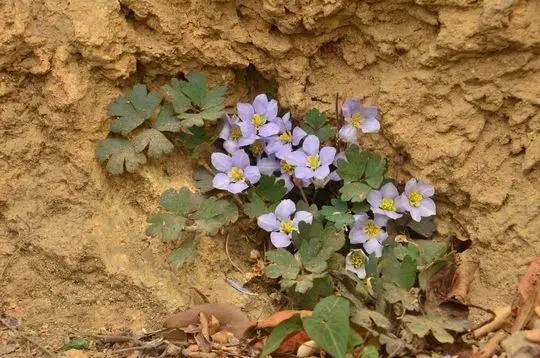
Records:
x=501, y=314
x=29, y=339
x=228, y=256
x=299, y=186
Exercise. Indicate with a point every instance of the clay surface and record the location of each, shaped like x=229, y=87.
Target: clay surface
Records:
x=457, y=82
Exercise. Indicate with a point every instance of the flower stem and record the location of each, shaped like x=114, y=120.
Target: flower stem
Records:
x=299, y=186
x=207, y=167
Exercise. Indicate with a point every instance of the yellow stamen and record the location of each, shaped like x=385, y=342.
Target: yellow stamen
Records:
x=357, y=260
x=372, y=230
x=356, y=119
x=388, y=204
x=258, y=120
x=285, y=138
x=313, y=162
x=236, y=133
x=286, y=167
x=415, y=198
x=257, y=147
x=236, y=174
x=287, y=226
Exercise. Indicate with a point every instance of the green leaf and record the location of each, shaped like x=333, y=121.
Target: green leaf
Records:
x=255, y=206
x=179, y=100
x=117, y=153
x=304, y=283
x=394, y=294
x=438, y=325
x=169, y=225
x=280, y=332
x=370, y=352
x=214, y=214
x=366, y=318
x=311, y=257
x=181, y=202
x=393, y=345
x=371, y=266
x=355, y=340
x=166, y=121
x=329, y=325
x=424, y=228
x=133, y=110
x=316, y=124
x=404, y=274
x=186, y=252
x=271, y=189
x=338, y=213
x=283, y=264
x=156, y=142
x=360, y=208
x=353, y=168
x=322, y=287
x=76, y=343
x=355, y=192
x=203, y=180
x=336, y=262
x=426, y=274
x=317, y=244
x=375, y=169
x=195, y=139
x=431, y=250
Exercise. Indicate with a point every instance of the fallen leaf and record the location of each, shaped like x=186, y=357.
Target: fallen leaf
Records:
x=529, y=281
x=231, y=318
x=436, y=292
x=462, y=278
x=213, y=325
x=204, y=326
x=222, y=337
x=279, y=317
x=202, y=342
x=293, y=342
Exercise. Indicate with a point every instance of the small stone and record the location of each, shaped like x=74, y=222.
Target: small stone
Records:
x=254, y=255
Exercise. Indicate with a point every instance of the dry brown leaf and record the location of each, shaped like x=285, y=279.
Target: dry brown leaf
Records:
x=526, y=310
x=204, y=326
x=293, y=342
x=529, y=281
x=213, y=325
x=191, y=354
x=202, y=342
x=230, y=317
x=222, y=337
x=279, y=317
x=462, y=279
x=437, y=291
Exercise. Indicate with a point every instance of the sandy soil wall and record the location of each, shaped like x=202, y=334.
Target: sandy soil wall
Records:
x=457, y=81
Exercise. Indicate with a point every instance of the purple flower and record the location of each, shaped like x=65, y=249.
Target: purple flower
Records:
x=235, y=136
x=383, y=201
x=356, y=263
x=369, y=233
x=283, y=141
x=310, y=162
x=234, y=172
x=416, y=200
x=280, y=224
x=358, y=117
x=260, y=115
x=270, y=165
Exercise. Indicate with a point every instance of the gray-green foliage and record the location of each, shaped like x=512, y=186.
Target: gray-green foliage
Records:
x=362, y=171
x=188, y=216
x=152, y=122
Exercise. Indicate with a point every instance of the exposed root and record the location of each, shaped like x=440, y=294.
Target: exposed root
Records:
x=501, y=316
x=492, y=347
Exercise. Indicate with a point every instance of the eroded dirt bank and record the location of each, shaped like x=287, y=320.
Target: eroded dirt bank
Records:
x=457, y=82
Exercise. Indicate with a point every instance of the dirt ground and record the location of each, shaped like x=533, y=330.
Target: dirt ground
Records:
x=457, y=82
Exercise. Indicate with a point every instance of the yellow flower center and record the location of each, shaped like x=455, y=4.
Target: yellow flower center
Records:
x=236, y=133
x=286, y=167
x=287, y=226
x=258, y=120
x=388, y=204
x=236, y=174
x=415, y=198
x=257, y=147
x=285, y=138
x=313, y=162
x=356, y=119
x=372, y=230
x=357, y=260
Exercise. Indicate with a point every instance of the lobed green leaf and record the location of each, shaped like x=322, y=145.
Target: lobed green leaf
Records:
x=118, y=153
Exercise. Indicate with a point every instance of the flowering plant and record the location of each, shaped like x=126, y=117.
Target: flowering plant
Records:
x=332, y=215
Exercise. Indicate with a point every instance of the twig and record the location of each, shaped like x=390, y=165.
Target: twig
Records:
x=200, y=293
x=299, y=186
x=29, y=339
x=228, y=256
x=500, y=315
x=339, y=123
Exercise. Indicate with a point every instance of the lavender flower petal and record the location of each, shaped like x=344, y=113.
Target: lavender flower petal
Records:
x=311, y=145
x=237, y=187
x=370, y=125
x=221, y=181
x=240, y=159
x=268, y=222
x=268, y=130
x=322, y=172
x=221, y=162
x=303, y=173
x=302, y=216
x=252, y=174
x=348, y=134
x=285, y=209
x=280, y=239
x=245, y=111
x=260, y=103
x=327, y=155
x=297, y=135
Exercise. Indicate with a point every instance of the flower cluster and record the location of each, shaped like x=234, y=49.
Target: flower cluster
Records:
x=287, y=152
